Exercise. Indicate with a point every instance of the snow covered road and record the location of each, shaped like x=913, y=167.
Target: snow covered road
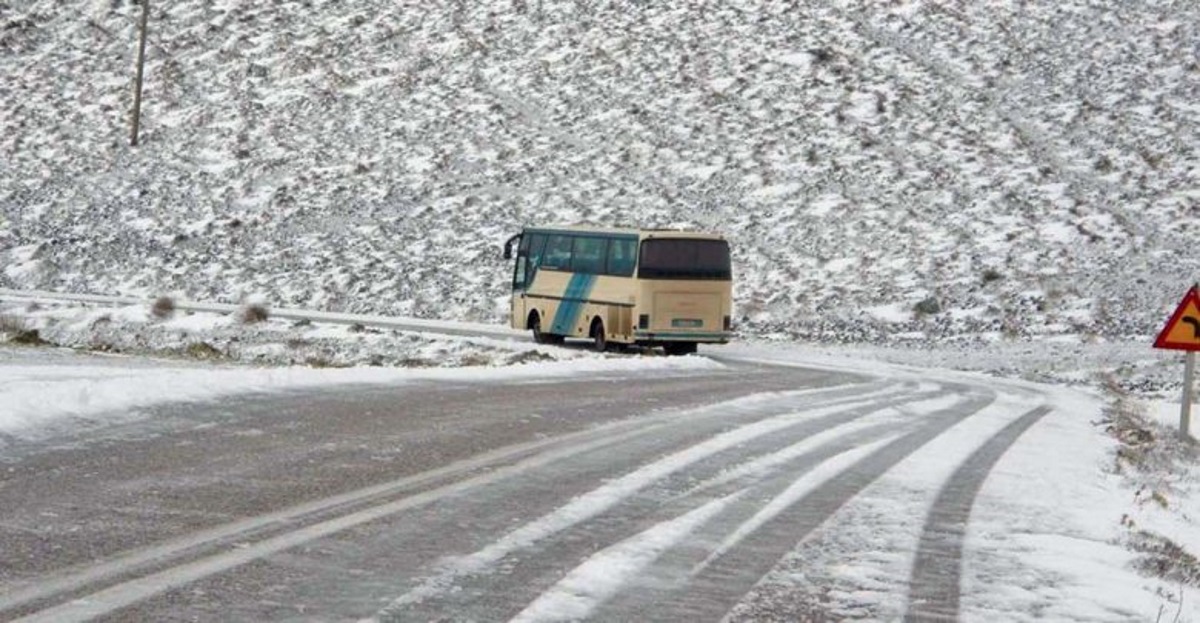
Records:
x=619, y=490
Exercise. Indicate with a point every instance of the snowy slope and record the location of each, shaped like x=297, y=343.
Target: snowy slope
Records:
x=1032, y=167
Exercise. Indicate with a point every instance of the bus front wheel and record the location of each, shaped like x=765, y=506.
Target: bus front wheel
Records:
x=535, y=323
x=680, y=348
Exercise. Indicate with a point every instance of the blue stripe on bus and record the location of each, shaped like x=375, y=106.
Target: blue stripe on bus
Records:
x=568, y=309
x=578, y=289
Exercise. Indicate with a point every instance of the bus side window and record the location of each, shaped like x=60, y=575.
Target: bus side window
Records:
x=588, y=256
x=537, y=245
x=558, y=253
x=622, y=256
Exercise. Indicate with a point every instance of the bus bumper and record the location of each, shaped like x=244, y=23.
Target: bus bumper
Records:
x=702, y=337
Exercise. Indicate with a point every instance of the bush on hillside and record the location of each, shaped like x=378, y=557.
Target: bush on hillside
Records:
x=163, y=307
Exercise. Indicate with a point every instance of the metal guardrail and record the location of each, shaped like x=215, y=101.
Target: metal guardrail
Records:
x=418, y=325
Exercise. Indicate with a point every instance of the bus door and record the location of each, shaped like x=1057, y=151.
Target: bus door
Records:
x=529, y=257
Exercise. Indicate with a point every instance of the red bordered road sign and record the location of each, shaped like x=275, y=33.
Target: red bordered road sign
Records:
x=1183, y=329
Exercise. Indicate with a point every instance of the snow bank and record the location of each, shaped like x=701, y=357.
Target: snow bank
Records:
x=38, y=395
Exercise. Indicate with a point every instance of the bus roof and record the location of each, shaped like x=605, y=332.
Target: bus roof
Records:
x=624, y=231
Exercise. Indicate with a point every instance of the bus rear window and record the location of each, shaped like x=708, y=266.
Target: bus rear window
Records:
x=681, y=258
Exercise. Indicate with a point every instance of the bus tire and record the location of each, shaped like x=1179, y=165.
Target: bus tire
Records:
x=535, y=324
x=679, y=348
x=599, y=339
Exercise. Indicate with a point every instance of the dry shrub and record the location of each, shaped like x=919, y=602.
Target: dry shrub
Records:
x=252, y=313
x=163, y=307
x=928, y=307
x=28, y=337
x=1163, y=558
x=1146, y=449
x=101, y=321
x=320, y=361
x=18, y=331
x=203, y=350
x=528, y=356
x=11, y=324
x=1147, y=455
x=476, y=360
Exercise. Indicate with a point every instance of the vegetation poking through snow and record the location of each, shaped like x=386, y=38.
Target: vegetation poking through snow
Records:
x=1161, y=467
x=11, y=324
x=203, y=351
x=14, y=330
x=928, y=307
x=1146, y=451
x=163, y=307
x=1163, y=558
x=252, y=313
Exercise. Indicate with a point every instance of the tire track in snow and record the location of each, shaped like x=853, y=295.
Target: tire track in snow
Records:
x=606, y=572
x=518, y=563
x=592, y=506
x=719, y=584
x=673, y=566
x=523, y=577
x=934, y=587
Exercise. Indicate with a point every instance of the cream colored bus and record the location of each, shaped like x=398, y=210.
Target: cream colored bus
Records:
x=622, y=286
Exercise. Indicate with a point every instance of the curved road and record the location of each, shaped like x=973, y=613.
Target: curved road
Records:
x=662, y=497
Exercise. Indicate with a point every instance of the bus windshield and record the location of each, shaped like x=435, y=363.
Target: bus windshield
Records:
x=682, y=258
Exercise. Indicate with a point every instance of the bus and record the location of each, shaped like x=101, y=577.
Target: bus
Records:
x=643, y=287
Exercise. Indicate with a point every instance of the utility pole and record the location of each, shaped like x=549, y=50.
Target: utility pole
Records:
x=141, y=61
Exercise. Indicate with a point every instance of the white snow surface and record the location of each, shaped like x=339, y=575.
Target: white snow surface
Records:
x=1034, y=164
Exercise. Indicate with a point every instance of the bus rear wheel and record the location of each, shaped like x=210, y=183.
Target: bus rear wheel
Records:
x=679, y=348
x=535, y=324
x=599, y=339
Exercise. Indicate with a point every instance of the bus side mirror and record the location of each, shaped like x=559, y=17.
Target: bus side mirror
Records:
x=508, y=246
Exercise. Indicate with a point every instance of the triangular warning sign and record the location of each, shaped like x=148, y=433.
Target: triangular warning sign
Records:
x=1183, y=329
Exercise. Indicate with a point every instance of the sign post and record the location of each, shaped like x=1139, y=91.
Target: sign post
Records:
x=1183, y=333
x=1185, y=408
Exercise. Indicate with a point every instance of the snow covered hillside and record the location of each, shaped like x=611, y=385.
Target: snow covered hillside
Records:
x=1010, y=168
